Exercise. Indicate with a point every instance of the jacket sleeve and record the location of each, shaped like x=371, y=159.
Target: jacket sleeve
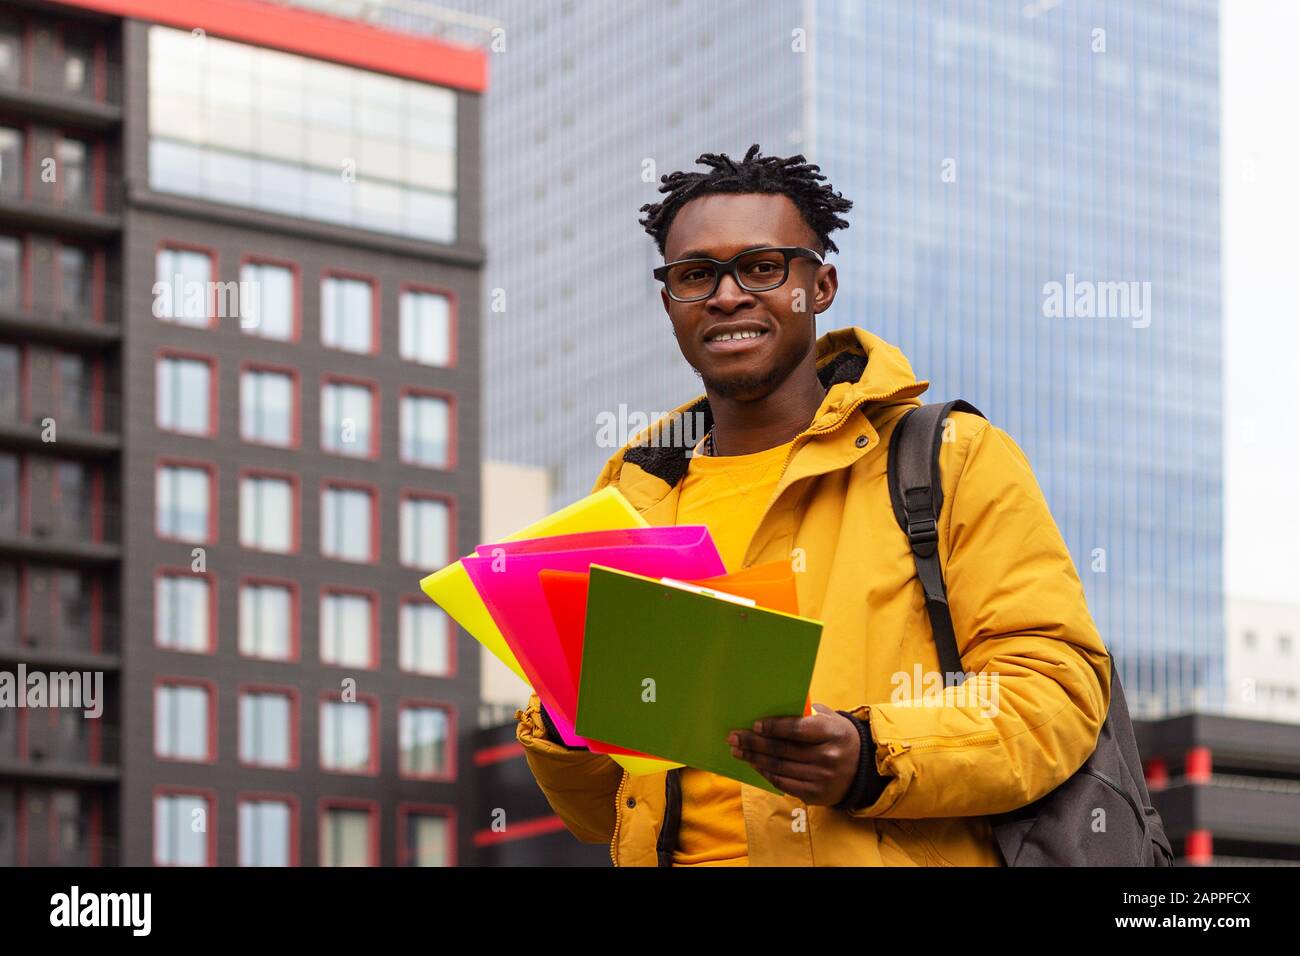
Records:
x=1031, y=713
x=580, y=786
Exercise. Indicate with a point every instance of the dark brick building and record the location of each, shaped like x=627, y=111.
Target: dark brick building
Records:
x=239, y=404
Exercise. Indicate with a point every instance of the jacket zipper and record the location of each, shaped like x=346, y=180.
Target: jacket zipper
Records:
x=618, y=817
x=896, y=748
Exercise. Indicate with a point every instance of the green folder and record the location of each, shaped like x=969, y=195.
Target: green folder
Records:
x=670, y=671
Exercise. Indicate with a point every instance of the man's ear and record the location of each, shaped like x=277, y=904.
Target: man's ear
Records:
x=827, y=285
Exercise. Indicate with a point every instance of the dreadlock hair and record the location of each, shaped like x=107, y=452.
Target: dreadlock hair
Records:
x=791, y=176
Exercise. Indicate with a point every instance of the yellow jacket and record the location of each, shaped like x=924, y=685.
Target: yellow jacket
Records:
x=1018, y=610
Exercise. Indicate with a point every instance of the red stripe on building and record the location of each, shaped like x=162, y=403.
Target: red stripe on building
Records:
x=312, y=34
x=498, y=753
x=519, y=831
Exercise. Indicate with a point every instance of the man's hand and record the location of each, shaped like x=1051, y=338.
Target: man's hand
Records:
x=814, y=758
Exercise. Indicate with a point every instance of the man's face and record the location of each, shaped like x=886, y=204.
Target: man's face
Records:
x=719, y=226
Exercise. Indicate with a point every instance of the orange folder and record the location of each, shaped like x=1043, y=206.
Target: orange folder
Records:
x=770, y=585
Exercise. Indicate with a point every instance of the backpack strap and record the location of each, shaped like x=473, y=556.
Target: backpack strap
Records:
x=916, y=492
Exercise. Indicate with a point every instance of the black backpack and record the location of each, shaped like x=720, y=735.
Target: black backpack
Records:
x=1056, y=829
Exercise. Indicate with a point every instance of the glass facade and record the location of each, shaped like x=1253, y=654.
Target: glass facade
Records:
x=250, y=126
x=991, y=148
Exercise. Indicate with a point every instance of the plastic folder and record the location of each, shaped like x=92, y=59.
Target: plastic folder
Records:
x=671, y=672
x=451, y=589
x=509, y=586
x=770, y=585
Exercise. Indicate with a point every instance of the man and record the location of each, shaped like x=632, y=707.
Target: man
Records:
x=885, y=772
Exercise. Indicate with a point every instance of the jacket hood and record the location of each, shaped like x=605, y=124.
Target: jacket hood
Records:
x=861, y=371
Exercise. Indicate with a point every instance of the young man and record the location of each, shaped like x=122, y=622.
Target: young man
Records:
x=885, y=772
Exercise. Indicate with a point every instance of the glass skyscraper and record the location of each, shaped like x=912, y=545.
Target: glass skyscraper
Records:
x=1036, y=225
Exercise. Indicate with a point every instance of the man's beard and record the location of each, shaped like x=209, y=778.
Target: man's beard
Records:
x=738, y=386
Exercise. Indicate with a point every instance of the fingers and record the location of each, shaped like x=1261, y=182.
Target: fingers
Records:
x=772, y=765
x=817, y=728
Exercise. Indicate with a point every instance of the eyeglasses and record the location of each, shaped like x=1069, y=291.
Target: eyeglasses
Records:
x=755, y=270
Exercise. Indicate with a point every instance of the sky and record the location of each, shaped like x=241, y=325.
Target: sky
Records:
x=1260, y=75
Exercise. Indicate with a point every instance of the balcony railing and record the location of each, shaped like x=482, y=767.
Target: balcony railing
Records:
x=79, y=410
x=66, y=639
x=77, y=523
x=89, y=309
x=96, y=83
x=62, y=745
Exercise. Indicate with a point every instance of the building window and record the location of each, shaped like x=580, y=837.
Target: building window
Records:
x=268, y=404
x=271, y=310
x=11, y=255
x=426, y=533
x=72, y=160
x=11, y=53
x=280, y=123
x=348, y=631
x=8, y=607
x=74, y=285
x=183, y=613
x=348, y=529
x=77, y=394
x=10, y=494
x=267, y=614
x=75, y=593
x=426, y=430
x=182, y=722
x=268, y=510
x=426, y=839
x=71, y=828
x=424, y=645
x=184, y=495
x=347, y=419
x=347, y=314
x=424, y=742
x=78, y=65
x=181, y=827
x=11, y=162
x=347, y=837
x=266, y=828
x=1250, y=639
x=346, y=736
x=75, y=517
x=266, y=732
x=1284, y=644
x=426, y=328
x=185, y=395
x=10, y=381
x=182, y=287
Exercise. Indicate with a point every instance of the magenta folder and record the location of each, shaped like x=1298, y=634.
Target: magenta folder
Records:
x=505, y=576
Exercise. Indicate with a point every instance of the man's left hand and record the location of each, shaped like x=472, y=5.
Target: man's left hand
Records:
x=814, y=758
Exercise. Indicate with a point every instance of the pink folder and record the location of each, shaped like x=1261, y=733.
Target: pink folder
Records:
x=505, y=576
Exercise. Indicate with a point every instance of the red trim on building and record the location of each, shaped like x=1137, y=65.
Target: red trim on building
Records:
x=501, y=752
x=536, y=827
x=312, y=34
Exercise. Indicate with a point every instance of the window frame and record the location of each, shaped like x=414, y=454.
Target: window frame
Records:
x=207, y=794
x=371, y=701
x=295, y=724
x=161, y=354
x=453, y=322
x=344, y=484
x=412, y=703
x=176, y=571
x=419, y=391
x=330, y=272
x=295, y=319
x=295, y=519
x=376, y=398
x=407, y=808
x=372, y=808
x=295, y=410
x=177, y=680
x=370, y=594
x=421, y=600
x=266, y=796
x=214, y=276
x=420, y=494
x=295, y=617
x=171, y=461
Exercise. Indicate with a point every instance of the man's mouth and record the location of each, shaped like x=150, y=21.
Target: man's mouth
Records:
x=735, y=341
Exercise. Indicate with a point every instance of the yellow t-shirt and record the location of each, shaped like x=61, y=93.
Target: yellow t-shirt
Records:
x=729, y=495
